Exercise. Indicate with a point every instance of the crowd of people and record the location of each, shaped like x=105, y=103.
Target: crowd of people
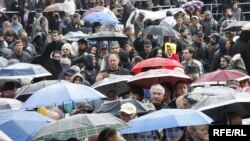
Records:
x=202, y=46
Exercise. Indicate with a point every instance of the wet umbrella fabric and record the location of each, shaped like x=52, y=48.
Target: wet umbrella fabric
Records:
x=114, y=107
x=191, y=6
x=114, y=82
x=80, y=126
x=236, y=26
x=60, y=94
x=26, y=91
x=107, y=36
x=166, y=118
x=23, y=70
x=7, y=104
x=22, y=125
x=156, y=63
x=160, y=30
x=100, y=17
x=218, y=106
x=158, y=76
x=219, y=77
x=3, y=62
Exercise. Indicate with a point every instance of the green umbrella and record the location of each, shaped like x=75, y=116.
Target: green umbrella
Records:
x=80, y=126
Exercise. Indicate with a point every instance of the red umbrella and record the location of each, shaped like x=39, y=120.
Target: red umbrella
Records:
x=156, y=63
x=219, y=77
x=157, y=76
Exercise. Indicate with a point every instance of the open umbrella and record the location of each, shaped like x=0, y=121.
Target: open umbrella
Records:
x=157, y=76
x=23, y=70
x=62, y=93
x=160, y=30
x=80, y=126
x=101, y=17
x=213, y=91
x=236, y=26
x=107, y=36
x=25, y=92
x=22, y=125
x=154, y=63
x=7, y=104
x=114, y=82
x=166, y=118
x=99, y=9
x=74, y=36
x=191, y=6
x=114, y=107
x=4, y=137
x=218, y=106
x=68, y=6
x=219, y=77
x=3, y=62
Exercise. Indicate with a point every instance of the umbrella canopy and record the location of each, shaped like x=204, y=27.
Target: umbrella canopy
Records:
x=236, y=26
x=68, y=7
x=213, y=91
x=157, y=76
x=107, y=36
x=7, y=104
x=4, y=137
x=217, y=106
x=160, y=30
x=22, y=125
x=99, y=9
x=74, y=36
x=166, y=118
x=219, y=77
x=80, y=126
x=24, y=92
x=3, y=62
x=191, y=6
x=114, y=82
x=62, y=93
x=155, y=63
x=114, y=107
x=23, y=70
x=101, y=17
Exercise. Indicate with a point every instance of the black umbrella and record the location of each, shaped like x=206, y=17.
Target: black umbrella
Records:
x=26, y=91
x=107, y=36
x=114, y=107
x=161, y=31
x=236, y=26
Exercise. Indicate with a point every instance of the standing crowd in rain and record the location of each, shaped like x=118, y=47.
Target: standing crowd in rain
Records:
x=201, y=46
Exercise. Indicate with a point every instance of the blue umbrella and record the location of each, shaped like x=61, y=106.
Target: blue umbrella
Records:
x=23, y=70
x=22, y=125
x=101, y=17
x=166, y=118
x=62, y=93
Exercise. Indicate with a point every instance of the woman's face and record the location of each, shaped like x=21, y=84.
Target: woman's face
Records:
x=128, y=47
x=78, y=80
x=93, y=50
x=194, y=21
x=66, y=51
x=174, y=134
x=159, y=53
x=94, y=62
x=146, y=136
x=201, y=132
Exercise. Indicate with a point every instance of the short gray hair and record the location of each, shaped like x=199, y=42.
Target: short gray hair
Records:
x=157, y=86
x=65, y=62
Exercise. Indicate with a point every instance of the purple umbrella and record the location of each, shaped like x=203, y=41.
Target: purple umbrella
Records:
x=191, y=6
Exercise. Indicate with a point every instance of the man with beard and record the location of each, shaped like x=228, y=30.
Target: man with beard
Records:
x=213, y=46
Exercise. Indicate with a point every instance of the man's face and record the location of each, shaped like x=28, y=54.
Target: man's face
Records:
x=115, y=49
x=126, y=117
x=179, y=21
x=157, y=96
x=57, y=56
x=55, y=37
x=147, y=49
x=186, y=54
x=208, y=16
x=223, y=63
x=19, y=48
x=113, y=62
x=198, y=38
x=181, y=89
x=228, y=45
